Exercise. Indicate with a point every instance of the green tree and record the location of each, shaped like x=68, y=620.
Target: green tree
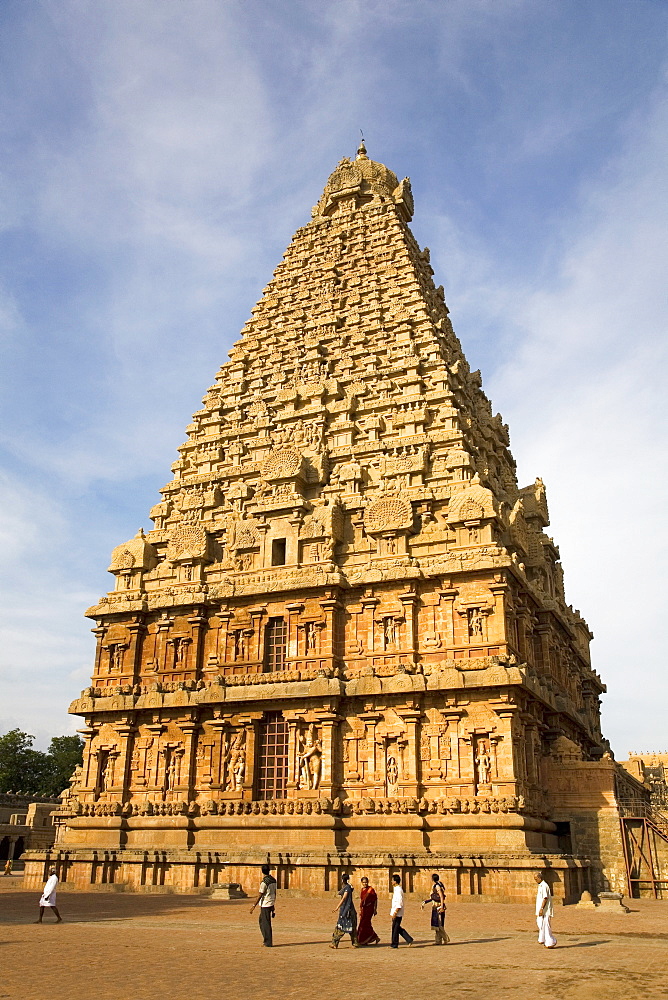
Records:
x=63, y=755
x=22, y=769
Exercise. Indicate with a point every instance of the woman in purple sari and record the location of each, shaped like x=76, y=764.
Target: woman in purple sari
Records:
x=368, y=907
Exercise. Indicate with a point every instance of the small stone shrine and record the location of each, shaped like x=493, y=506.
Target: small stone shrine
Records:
x=345, y=642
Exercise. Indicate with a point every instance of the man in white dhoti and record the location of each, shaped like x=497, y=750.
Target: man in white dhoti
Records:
x=49, y=897
x=544, y=912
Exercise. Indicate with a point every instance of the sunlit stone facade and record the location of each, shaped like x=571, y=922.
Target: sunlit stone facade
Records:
x=345, y=642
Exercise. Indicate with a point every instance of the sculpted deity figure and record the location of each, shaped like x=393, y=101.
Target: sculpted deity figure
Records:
x=235, y=763
x=475, y=623
x=171, y=764
x=239, y=770
x=310, y=760
x=392, y=773
x=311, y=637
x=484, y=765
x=389, y=631
x=239, y=644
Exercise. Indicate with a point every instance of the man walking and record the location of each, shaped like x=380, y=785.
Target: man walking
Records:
x=397, y=912
x=544, y=912
x=267, y=900
x=49, y=897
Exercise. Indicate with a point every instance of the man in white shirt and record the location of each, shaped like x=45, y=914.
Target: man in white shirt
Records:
x=267, y=900
x=397, y=912
x=49, y=897
x=544, y=912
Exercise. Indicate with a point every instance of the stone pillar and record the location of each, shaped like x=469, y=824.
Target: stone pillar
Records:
x=257, y=615
x=375, y=775
x=506, y=750
x=99, y=634
x=328, y=640
x=197, y=623
x=121, y=786
x=448, y=597
x=223, y=652
x=161, y=647
x=155, y=729
x=369, y=605
x=137, y=631
x=252, y=749
x=217, y=727
x=496, y=631
x=293, y=749
x=329, y=722
x=187, y=776
x=410, y=603
x=408, y=782
x=292, y=644
x=89, y=775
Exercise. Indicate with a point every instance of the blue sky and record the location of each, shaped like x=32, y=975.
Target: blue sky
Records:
x=156, y=157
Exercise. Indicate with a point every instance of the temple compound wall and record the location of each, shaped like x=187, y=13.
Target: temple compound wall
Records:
x=345, y=643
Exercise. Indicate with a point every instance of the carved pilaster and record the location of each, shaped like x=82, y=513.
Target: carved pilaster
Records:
x=126, y=734
x=198, y=626
x=188, y=764
x=137, y=632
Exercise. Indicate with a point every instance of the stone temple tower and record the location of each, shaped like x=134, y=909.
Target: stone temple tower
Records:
x=345, y=642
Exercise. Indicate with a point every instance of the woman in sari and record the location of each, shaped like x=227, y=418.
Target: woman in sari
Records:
x=437, y=900
x=368, y=908
x=347, y=919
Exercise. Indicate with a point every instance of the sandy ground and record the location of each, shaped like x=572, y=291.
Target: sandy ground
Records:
x=138, y=947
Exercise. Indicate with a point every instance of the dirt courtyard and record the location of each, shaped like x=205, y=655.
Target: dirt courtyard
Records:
x=145, y=947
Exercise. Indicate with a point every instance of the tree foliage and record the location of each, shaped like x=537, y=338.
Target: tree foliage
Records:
x=24, y=769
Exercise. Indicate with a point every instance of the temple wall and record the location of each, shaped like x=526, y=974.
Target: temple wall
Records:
x=583, y=794
x=485, y=877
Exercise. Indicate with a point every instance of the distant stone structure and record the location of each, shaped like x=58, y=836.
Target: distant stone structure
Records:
x=345, y=643
x=26, y=823
x=651, y=768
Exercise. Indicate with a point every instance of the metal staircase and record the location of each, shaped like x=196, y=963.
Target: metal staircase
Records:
x=642, y=830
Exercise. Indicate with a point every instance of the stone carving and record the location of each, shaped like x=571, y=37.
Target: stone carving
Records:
x=476, y=623
x=472, y=504
x=388, y=514
x=392, y=771
x=138, y=553
x=235, y=763
x=187, y=542
x=282, y=464
x=483, y=762
x=310, y=759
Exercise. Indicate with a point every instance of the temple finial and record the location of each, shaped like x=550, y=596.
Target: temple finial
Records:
x=361, y=149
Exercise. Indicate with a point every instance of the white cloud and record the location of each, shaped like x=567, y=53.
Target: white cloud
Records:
x=42, y=634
